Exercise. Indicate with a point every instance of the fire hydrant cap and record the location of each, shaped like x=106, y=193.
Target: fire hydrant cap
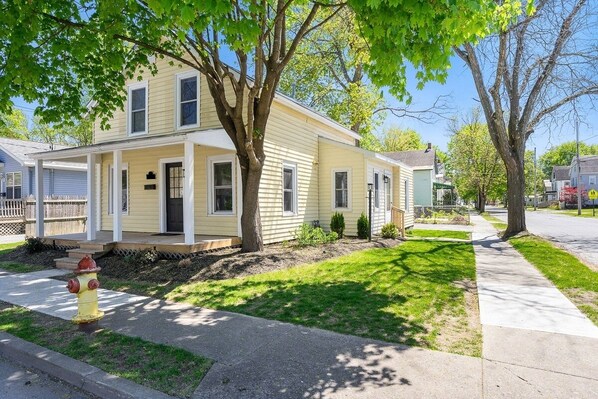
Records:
x=87, y=265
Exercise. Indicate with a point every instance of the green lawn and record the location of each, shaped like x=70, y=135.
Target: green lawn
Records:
x=586, y=212
x=165, y=368
x=460, y=235
x=17, y=267
x=568, y=273
x=496, y=222
x=5, y=248
x=409, y=294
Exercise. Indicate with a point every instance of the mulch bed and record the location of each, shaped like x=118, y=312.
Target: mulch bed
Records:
x=231, y=263
x=44, y=258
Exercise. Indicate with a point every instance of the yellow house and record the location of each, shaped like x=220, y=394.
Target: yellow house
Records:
x=165, y=174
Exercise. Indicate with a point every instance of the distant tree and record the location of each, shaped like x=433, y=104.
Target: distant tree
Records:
x=473, y=163
x=13, y=124
x=562, y=155
x=397, y=139
x=532, y=177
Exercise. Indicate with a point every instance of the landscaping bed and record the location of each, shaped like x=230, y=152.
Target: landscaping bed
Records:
x=153, y=365
x=19, y=254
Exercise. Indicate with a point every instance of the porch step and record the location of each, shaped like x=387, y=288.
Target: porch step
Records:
x=67, y=263
x=95, y=246
x=79, y=253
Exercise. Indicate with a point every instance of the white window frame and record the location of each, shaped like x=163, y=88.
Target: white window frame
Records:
x=179, y=77
x=293, y=167
x=592, y=179
x=376, y=179
x=110, y=176
x=130, y=88
x=221, y=159
x=407, y=199
x=349, y=188
x=14, y=174
x=387, y=195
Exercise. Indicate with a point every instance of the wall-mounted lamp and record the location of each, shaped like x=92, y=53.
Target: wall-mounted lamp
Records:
x=370, y=186
x=386, y=179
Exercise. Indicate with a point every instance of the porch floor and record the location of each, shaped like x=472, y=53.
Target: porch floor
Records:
x=170, y=242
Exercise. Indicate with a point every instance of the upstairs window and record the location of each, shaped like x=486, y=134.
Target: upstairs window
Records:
x=138, y=108
x=187, y=100
x=289, y=189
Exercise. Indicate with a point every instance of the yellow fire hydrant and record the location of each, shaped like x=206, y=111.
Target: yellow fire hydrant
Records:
x=86, y=287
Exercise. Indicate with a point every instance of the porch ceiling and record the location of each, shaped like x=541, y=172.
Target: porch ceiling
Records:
x=211, y=137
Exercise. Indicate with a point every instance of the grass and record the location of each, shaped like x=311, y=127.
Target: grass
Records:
x=496, y=222
x=460, y=235
x=165, y=368
x=6, y=248
x=17, y=267
x=568, y=273
x=411, y=294
x=585, y=212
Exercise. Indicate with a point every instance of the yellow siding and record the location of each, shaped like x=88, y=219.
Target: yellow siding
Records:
x=339, y=157
x=144, y=205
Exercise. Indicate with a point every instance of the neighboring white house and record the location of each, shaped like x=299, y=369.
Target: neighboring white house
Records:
x=559, y=179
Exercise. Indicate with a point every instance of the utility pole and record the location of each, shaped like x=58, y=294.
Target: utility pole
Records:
x=578, y=168
x=535, y=182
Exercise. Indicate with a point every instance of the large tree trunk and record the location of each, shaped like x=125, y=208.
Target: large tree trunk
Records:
x=481, y=201
x=515, y=195
x=251, y=222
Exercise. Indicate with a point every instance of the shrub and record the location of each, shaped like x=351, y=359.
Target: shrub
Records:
x=363, y=226
x=185, y=262
x=307, y=235
x=145, y=257
x=389, y=230
x=34, y=244
x=337, y=224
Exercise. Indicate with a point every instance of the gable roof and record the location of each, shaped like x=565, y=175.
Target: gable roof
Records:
x=560, y=173
x=417, y=159
x=19, y=150
x=589, y=164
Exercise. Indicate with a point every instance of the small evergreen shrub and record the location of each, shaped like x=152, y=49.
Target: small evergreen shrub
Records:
x=307, y=235
x=337, y=224
x=145, y=257
x=363, y=226
x=34, y=244
x=389, y=230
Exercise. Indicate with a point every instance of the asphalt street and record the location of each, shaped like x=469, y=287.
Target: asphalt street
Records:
x=17, y=382
x=578, y=235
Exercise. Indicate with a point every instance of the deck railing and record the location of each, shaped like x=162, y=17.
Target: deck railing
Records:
x=11, y=208
x=397, y=216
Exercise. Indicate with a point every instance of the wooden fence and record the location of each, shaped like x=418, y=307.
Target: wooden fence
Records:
x=62, y=215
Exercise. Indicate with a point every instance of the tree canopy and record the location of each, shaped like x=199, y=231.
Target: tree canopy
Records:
x=562, y=155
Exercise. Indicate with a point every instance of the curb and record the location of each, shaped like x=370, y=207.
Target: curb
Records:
x=79, y=374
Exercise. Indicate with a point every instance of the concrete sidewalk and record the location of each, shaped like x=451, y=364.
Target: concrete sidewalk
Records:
x=530, y=329
x=258, y=358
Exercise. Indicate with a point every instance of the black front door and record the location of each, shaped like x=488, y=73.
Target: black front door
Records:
x=174, y=197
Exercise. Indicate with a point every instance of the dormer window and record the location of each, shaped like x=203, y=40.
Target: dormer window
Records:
x=137, y=107
x=187, y=100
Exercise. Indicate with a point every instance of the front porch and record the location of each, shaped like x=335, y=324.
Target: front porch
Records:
x=133, y=241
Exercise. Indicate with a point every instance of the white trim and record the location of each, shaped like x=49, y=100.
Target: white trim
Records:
x=130, y=88
x=124, y=167
x=162, y=189
x=293, y=167
x=177, y=99
x=117, y=230
x=210, y=169
x=39, y=198
x=59, y=166
x=349, y=189
x=98, y=168
x=91, y=197
x=189, y=193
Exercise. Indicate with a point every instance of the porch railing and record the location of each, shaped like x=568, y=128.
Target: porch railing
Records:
x=11, y=208
x=397, y=216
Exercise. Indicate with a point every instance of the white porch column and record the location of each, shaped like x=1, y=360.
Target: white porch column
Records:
x=91, y=197
x=117, y=195
x=39, y=198
x=189, y=194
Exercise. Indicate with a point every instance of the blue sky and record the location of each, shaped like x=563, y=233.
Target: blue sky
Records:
x=460, y=87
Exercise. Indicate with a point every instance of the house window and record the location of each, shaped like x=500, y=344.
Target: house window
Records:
x=125, y=190
x=289, y=188
x=376, y=190
x=187, y=100
x=341, y=189
x=222, y=194
x=592, y=180
x=387, y=192
x=138, y=108
x=407, y=204
x=14, y=183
